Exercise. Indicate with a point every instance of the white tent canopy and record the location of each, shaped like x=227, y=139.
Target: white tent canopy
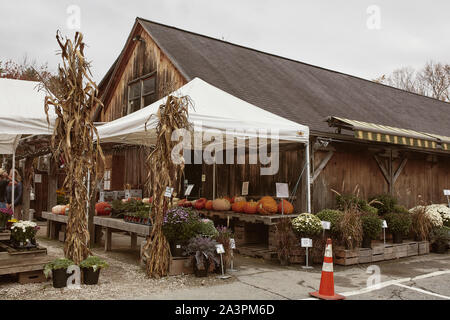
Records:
x=21, y=113
x=213, y=110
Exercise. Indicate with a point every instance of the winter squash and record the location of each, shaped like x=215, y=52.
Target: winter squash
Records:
x=103, y=209
x=209, y=205
x=221, y=204
x=200, y=203
x=238, y=199
x=147, y=200
x=238, y=206
x=59, y=209
x=251, y=207
x=267, y=206
x=228, y=198
x=288, y=208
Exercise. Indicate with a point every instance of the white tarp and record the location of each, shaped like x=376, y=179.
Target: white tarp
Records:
x=21, y=112
x=213, y=109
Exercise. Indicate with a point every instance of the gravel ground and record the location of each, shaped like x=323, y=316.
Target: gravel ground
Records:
x=122, y=280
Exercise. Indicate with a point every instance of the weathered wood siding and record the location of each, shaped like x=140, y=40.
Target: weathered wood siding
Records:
x=141, y=58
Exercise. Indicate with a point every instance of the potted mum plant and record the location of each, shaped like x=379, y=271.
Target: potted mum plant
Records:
x=91, y=267
x=372, y=227
x=203, y=251
x=307, y=225
x=399, y=225
x=180, y=225
x=58, y=269
x=23, y=234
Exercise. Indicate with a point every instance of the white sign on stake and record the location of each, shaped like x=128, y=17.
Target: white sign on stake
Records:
x=203, y=177
x=219, y=248
x=245, y=188
x=232, y=244
x=282, y=190
x=168, y=192
x=326, y=225
x=446, y=192
x=384, y=224
x=188, y=189
x=306, y=242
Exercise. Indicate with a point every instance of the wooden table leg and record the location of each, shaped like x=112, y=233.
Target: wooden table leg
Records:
x=98, y=233
x=133, y=240
x=49, y=226
x=54, y=230
x=108, y=239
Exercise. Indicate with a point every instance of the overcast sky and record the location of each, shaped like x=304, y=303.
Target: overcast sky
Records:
x=336, y=34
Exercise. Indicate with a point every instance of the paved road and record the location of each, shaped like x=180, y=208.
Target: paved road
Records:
x=414, y=278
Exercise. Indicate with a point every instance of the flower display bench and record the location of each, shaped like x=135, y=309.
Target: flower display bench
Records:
x=55, y=224
x=28, y=264
x=379, y=252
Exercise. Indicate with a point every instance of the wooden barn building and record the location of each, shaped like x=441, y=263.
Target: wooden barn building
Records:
x=362, y=133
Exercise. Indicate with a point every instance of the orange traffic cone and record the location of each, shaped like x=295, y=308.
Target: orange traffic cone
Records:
x=326, y=290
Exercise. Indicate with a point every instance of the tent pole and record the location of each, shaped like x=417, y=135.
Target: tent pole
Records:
x=13, y=179
x=308, y=179
x=214, y=179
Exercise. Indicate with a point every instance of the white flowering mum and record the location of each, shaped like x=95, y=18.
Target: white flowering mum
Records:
x=23, y=225
x=307, y=224
x=433, y=214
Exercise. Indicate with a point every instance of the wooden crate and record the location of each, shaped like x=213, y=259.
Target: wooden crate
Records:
x=32, y=277
x=364, y=255
x=378, y=257
x=423, y=247
x=346, y=257
x=5, y=235
x=297, y=259
x=378, y=249
x=400, y=250
x=178, y=265
x=388, y=252
x=413, y=249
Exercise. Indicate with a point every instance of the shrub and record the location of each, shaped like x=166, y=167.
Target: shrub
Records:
x=350, y=227
x=399, y=222
x=180, y=224
x=333, y=216
x=420, y=223
x=440, y=236
x=371, y=225
x=400, y=209
x=385, y=203
x=307, y=225
x=350, y=200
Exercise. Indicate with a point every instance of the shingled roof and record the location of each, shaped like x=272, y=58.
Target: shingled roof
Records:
x=297, y=91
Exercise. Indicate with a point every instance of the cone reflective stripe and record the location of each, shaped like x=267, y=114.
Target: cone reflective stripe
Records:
x=326, y=290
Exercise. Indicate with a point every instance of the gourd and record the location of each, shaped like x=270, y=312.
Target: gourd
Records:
x=267, y=206
x=221, y=204
x=209, y=205
x=59, y=209
x=288, y=208
x=200, y=203
x=103, y=208
x=251, y=207
x=238, y=206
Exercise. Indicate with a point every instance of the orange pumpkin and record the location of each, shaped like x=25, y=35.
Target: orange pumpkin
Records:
x=208, y=205
x=238, y=206
x=227, y=198
x=184, y=203
x=267, y=206
x=288, y=208
x=103, y=209
x=251, y=207
x=200, y=203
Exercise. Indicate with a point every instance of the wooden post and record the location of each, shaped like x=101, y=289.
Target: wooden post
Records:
x=52, y=185
x=91, y=226
x=28, y=176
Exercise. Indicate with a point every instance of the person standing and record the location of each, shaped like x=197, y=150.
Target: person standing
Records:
x=3, y=184
x=17, y=194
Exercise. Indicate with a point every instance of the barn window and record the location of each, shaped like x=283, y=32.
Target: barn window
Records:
x=141, y=92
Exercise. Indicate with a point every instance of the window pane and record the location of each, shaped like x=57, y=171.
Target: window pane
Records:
x=135, y=105
x=135, y=90
x=149, y=99
x=149, y=85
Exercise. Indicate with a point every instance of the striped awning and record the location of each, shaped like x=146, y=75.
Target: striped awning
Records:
x=381, y=133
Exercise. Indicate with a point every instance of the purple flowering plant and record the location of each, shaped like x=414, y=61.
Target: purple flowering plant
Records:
x=5, y=215
x=180, y=224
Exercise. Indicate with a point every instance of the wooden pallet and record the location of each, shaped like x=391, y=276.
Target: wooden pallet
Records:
x=346, y=257
x=13, y=261
x=413, y=249
x=5, y=235
x=257, y=251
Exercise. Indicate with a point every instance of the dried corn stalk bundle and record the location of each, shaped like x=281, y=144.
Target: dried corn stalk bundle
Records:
x=163, y=172
x=73, y=95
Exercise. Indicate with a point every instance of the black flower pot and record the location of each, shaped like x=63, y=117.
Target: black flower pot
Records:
x=397, y=237
x=367, y=242
x=90, y=277
x=201, y=273
x=59, y=278
x=176, y=249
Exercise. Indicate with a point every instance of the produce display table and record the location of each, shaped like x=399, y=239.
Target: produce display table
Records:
x=56, y=221
x=255, y=234
x=118, y=225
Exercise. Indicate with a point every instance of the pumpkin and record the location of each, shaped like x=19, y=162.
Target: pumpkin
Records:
x=267, y=206
x=251, y=207
x=59, y=209
x=221, y=204
x=209, y=205
x=238, y=199
x=288, y=208
x=147, y=200
x=200, y=203
x=227, y=198
x=184, y=203
x=103, y=208
x=238, y=206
